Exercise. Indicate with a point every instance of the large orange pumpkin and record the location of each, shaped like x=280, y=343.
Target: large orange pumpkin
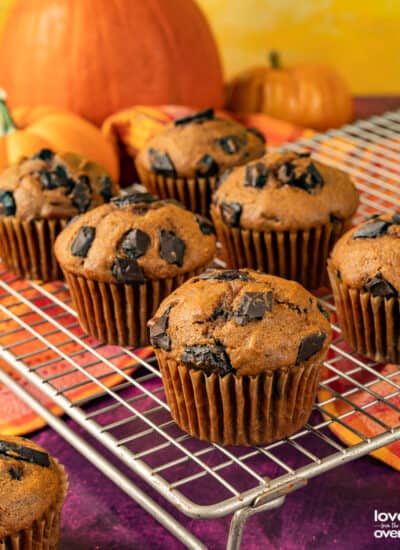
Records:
x=27, y=130
x=309, y=95
x=95, y=57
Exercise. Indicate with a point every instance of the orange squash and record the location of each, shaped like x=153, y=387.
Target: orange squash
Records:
x=309, y=95
x=26, y=131
x=96, y=57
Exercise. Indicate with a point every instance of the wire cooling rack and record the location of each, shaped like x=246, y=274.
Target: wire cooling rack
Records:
x=41, y=339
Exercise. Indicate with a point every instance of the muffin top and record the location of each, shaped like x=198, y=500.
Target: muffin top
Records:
x=242, y=322
x=136, y=237
x=53, y=186
x=284, y=191
x=368, y=256
x=30, y=482
x=200, y=146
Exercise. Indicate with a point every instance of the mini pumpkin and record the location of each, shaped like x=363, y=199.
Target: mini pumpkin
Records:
x=309, y=95
x=25, y=131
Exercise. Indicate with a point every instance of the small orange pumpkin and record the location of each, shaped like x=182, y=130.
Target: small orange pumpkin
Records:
x=309, y=95
x=26, y=131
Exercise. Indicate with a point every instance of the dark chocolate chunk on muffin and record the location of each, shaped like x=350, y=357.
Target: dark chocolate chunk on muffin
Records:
x=234, y=336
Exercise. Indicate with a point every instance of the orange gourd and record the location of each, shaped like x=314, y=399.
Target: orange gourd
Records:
x=309, y=95
x=95, y=57
x=26, y=131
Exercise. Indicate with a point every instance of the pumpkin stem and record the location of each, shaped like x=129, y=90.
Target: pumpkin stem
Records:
x=7, y=125
x=274, y=59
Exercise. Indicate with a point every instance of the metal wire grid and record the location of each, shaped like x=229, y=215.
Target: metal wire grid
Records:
x=132, y=419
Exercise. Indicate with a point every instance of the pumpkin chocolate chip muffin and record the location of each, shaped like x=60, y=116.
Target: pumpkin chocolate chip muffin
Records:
x=32, y=490
x=282, y=214
x=38, y=196
x=186, y=159
x=364, y=270
x=121, y=259
x=240, y=353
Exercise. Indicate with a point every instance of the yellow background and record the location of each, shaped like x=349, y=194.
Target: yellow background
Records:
x=361, y=38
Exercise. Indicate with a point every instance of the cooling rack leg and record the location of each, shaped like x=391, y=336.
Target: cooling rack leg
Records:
x=124, y=483
x=240, y=517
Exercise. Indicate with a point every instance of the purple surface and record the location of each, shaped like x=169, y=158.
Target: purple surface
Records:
x=335, y=511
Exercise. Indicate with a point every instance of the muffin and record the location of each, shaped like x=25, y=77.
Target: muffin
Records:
x=186, y=159
x=32, y=490
x=240, y=353
x=121, y=259
x=38, y=196
x=282, y=214
x=364, y=270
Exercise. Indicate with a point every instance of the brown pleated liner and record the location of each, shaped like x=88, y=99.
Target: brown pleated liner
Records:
x=239, y=410
x=194, y=193
x=370, y=324
x=26, y=247
x=44, y=533
x=117, y=313
x=298, y=255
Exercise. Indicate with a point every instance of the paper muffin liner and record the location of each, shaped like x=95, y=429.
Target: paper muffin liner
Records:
x=26, y=247
x=239, y=410
x=116, y=313
x=298, y=255
x=44, y=533
x=370, y=324
x=194, y=193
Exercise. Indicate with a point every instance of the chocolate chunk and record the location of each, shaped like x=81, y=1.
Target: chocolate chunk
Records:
x=219, y=312
x=396, y=219
x=230, y=213
x=304, y=154
x=212, y=358
x=82, y=194
x=46, y=180
x=333, y=218
x=128, y=271
x=306, y=180
x=257, y=133
x=7, y=204
x=44, y=154
x=135, y=243
x=207, y=114
x=207, y=166
x=172, y=248
x=371, y=230
x=134, y=198
x=83, y=241
x=230, y=144
x=226, y=275
x=323, y=311
x=253, y=306
x=158, y=331
x=206, y=227
x=379, y=286
x=26, y=454
x=315, y=176
x=161, y=163
x=15, y=473
x=310, y=345
x=256, y=175
x=106, y=188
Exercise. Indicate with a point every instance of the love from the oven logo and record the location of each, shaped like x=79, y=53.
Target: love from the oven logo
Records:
x=387, y=525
